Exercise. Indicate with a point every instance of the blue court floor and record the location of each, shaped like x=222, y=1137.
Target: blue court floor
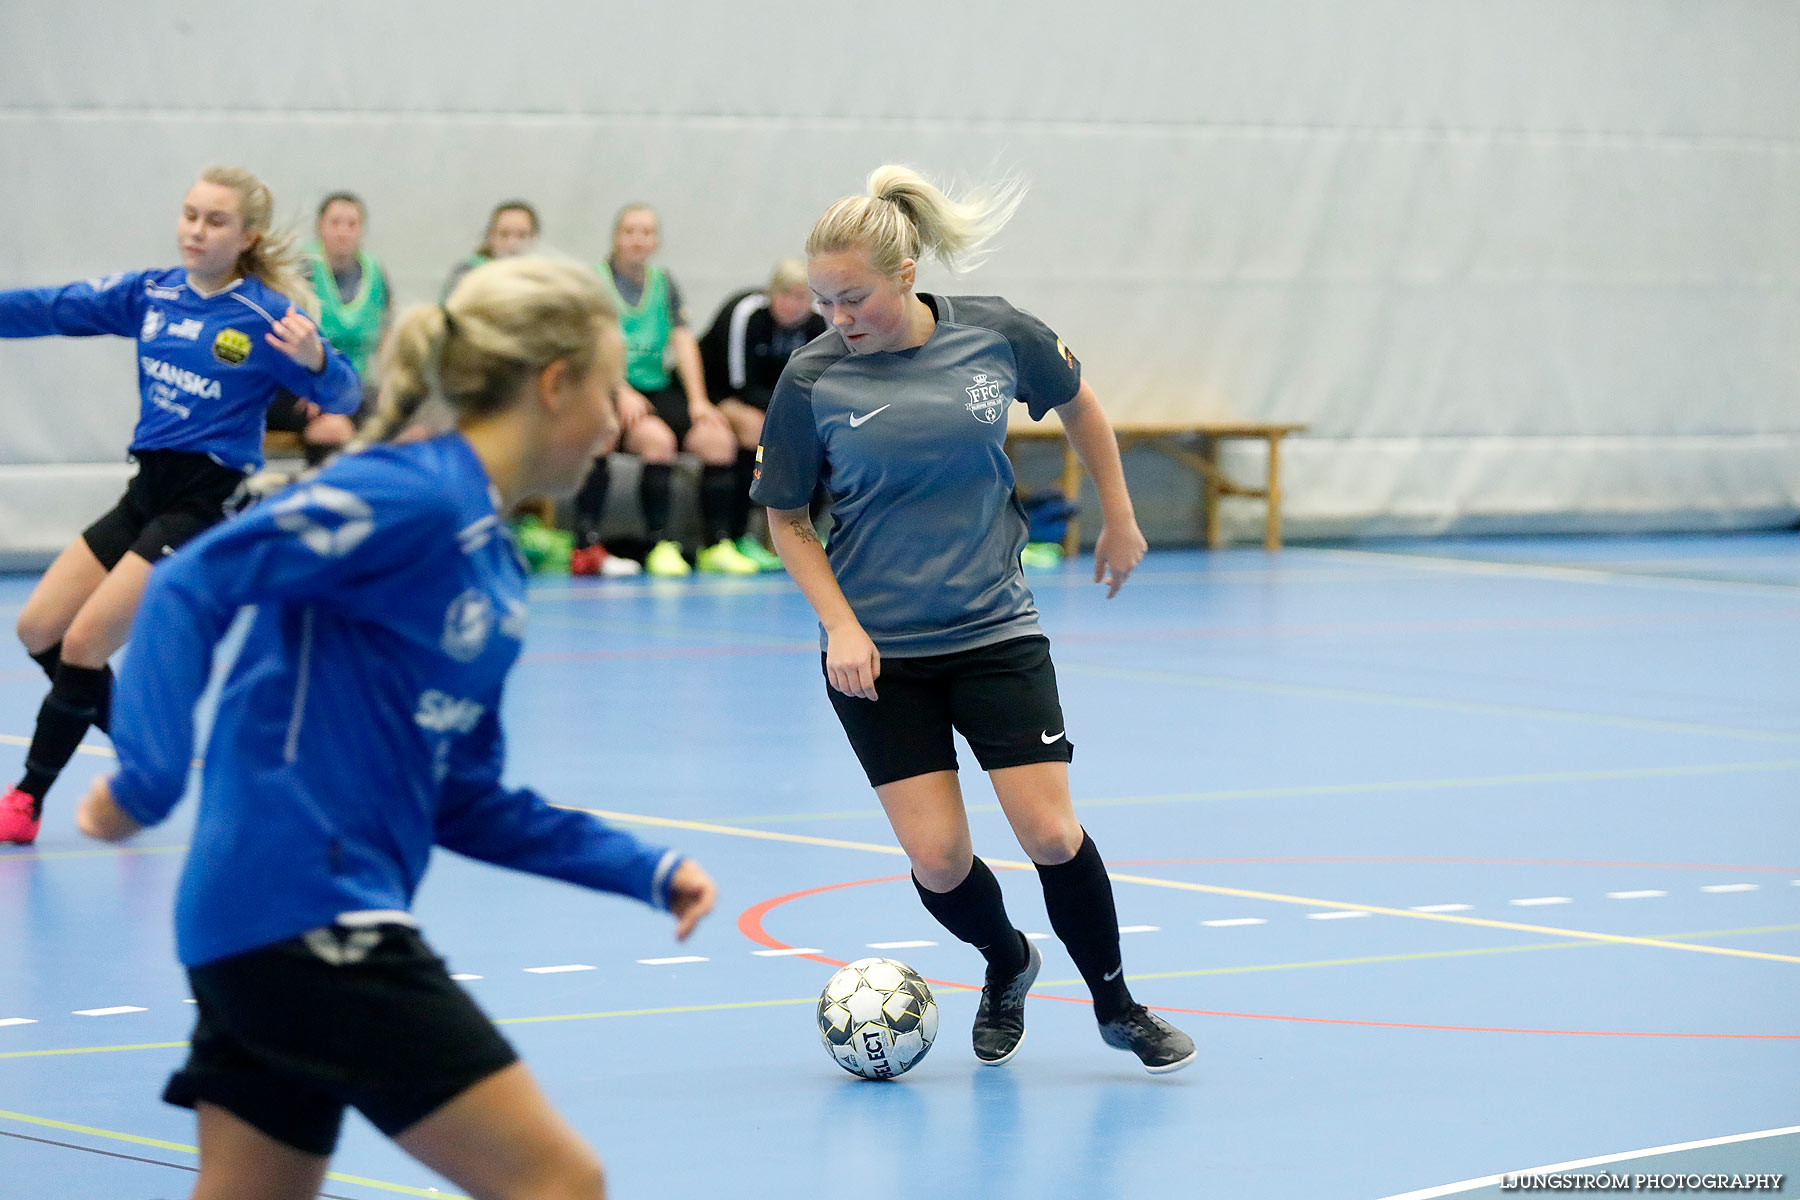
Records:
x=1458, y=859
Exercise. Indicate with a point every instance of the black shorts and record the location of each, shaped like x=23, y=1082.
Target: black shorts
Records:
x=671, y=405
x=175, y=496
x=287, y=1038
x=1001, y=698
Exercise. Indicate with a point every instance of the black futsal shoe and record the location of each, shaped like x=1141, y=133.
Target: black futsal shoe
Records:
x=1000, y=1020
x=1161, y=1047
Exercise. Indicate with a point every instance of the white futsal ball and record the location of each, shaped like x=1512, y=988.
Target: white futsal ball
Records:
x=877, y=1018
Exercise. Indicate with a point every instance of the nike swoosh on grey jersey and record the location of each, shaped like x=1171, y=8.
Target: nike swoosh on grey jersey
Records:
x=856, y=421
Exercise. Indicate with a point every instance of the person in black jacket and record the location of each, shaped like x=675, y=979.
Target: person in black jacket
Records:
x=743, y=353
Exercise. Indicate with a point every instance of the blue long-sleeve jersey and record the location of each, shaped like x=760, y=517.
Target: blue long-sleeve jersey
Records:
x=359, y=723
x=206, y=374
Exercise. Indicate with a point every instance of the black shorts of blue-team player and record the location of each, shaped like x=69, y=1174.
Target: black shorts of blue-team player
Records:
x=1002, y=698
x=351, y=1015
x=175, y=496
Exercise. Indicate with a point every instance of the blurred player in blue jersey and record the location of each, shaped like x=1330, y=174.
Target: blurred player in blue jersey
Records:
x=216, y=337
x=360, y=726
x=926, y=622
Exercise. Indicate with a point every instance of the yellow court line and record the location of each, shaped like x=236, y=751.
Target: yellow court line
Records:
x=181, y=1148
x=13, y=739
x=99, y=852
x=1312, y=790
x=90, y=1050
x=1393, y=958
x=1210, y=889
x=1363, y=696
x=673, y=1010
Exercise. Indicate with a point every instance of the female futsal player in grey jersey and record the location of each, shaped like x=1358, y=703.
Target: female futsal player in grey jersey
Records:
x=927, y=624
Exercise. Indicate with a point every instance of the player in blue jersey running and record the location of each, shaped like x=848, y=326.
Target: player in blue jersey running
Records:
x=216, y=337
x=926, y=622
x=359, y=727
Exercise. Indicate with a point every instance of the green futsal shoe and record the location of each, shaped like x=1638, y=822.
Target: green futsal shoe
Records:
x=753, y=550
x=1041, y=556
x=723, y=558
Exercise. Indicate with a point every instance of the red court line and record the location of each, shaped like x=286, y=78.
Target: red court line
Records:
x=750, y=924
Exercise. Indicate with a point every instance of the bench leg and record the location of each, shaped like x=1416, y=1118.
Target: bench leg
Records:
x=1272, y=490
x=1211, y=489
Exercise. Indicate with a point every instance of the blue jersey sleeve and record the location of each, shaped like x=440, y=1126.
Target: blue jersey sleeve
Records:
x=789, y=461
x=517, y=828
x=336, y=389
x=114, y=305
x=317, y=541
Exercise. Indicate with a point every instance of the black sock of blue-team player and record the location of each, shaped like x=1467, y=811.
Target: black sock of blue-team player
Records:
x=590, y=503
x=63, y=719
x=1079, y=897
x=975, y=912
x=718, y=488
x=653, y=494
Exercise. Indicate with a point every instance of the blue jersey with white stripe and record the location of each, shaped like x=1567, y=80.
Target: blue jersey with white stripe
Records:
x=206, y=372
x=359, y=724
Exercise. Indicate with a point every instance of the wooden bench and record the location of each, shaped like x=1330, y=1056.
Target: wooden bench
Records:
x=1163, y=436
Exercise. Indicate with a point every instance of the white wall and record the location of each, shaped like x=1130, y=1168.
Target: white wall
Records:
x=1517, y=261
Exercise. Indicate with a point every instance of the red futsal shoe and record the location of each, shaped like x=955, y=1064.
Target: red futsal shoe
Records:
x=18, y=818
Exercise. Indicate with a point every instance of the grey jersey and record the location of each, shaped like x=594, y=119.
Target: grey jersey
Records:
x=910, y=446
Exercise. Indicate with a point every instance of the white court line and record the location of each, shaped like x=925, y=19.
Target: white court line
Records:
x=913, y=945
x=559, y=970
x=1469, y=1185
x=1341, y=914
x=1140, y=929
x=1536, y=901
x=1231, y=921
x=669, y=962
x=1644, y=895
x=108, y=1012
x=1442, y=907
x=464, y=978
x=1729, y=887
x=1038, y=937
x=17, y=1021
x=784, y=953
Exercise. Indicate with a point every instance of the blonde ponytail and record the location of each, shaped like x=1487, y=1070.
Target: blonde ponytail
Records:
x=903, y=215
x=274, y=258
x=506, y=320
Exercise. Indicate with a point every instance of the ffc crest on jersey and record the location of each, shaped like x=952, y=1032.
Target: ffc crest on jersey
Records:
x=987, y=399
x=467, y=624
x=328, y=521
x=231, y=347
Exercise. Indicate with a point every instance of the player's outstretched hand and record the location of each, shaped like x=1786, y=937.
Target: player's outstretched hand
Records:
x=691, y=895
x=1119, y=551
x=99, y=815
x=297, y=337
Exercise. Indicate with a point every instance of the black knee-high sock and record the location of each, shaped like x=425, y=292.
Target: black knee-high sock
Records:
x=62, y=720
x=653, y=494
x=49, y=660
x=975, y=912
x=1079, y=897
x=718, y=494
x=52, y=658
x=590, y=503
x=740, y=496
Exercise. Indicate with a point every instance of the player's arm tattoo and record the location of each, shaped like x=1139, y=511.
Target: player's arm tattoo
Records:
x=803, y=530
